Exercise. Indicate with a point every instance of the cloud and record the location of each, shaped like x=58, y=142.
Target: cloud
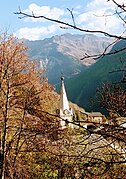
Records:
x=100, y=4
x=94, y=17
x=54, y=13
x=41, y=28
x=91, y=16
x=36, y=33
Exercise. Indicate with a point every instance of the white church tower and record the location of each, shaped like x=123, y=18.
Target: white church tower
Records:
x=66, y=114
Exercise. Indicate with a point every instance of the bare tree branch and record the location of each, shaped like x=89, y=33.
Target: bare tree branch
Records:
x=24, y=15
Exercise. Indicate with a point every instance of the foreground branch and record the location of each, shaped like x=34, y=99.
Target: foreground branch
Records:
x=24, y=15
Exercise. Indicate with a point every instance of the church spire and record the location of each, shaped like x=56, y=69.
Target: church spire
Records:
x=64, y=105
x=65, y=112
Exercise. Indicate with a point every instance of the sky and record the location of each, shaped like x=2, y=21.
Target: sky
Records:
x=88, y=14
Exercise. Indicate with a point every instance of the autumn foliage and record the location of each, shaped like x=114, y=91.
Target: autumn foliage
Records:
x=112, y=97
x=33, y=145
x=24, y=95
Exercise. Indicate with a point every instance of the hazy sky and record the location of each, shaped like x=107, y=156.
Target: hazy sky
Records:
x=89, y=14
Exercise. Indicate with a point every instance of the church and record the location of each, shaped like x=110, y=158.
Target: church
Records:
x=66, y=113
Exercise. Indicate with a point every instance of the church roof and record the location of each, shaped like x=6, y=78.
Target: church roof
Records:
x=93, y=114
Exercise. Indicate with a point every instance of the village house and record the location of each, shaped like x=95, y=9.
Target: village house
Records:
x=93, y=117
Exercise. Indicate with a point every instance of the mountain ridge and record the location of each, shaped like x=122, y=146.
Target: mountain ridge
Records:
x=62, y=53
x=89, y=44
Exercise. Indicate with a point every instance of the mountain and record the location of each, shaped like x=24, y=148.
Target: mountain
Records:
x=77, y=45
x=62, y=54
x=82, y=88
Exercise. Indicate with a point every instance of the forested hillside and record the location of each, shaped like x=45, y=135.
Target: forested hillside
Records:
x=82, y=89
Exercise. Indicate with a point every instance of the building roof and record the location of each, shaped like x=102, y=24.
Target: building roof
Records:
x=93, y=114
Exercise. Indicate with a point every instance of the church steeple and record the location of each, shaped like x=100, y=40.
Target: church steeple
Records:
x=66, y=113
x=64, y=105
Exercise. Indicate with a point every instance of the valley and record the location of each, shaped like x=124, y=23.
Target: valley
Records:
x=61, y=55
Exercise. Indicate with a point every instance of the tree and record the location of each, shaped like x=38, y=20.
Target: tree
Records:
x=112, y=97
x=22, y=116
x=15, y=73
